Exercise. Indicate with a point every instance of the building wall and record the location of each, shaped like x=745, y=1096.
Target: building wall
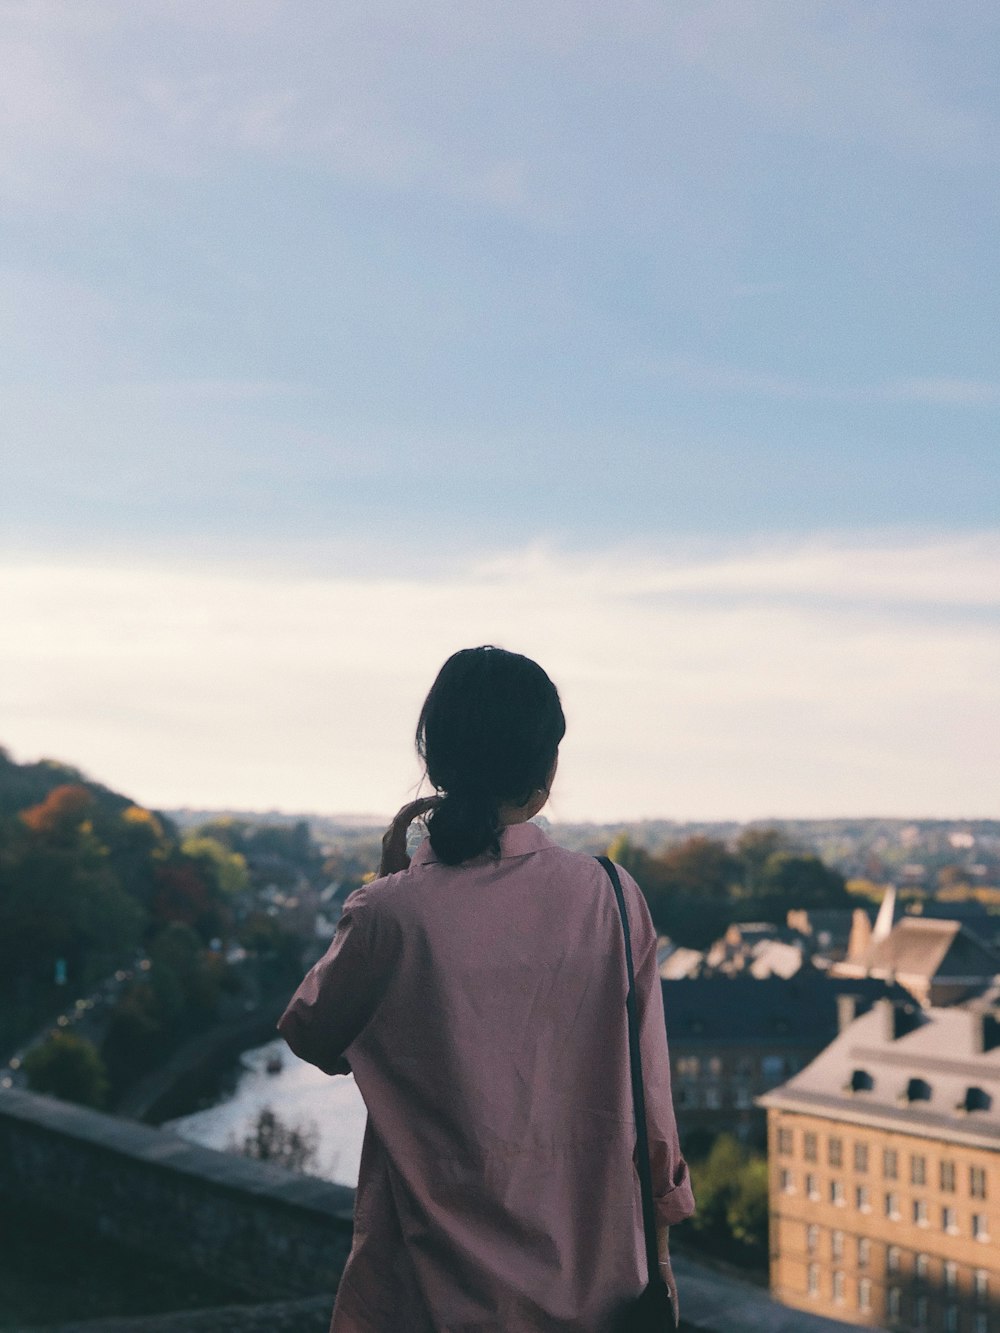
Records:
x=898, y=1267
x=716, y=1084
x=263, y=1230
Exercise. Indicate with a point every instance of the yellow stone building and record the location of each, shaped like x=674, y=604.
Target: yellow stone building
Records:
x=884, y=1158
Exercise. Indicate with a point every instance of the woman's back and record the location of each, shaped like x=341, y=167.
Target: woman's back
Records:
x=481, y=1008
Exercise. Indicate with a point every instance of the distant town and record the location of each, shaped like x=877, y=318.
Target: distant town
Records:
x=831, y=988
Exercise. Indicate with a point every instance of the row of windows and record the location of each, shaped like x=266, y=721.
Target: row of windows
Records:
x=951, y=1321
x=712, y=1098
x=894, y=1261
x=861, y=1156
x=771, y=1067
x=920, y=1208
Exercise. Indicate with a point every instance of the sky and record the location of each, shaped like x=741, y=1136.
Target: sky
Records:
x=657, y=341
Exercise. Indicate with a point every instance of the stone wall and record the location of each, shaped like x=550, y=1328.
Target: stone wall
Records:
x=268, y=1232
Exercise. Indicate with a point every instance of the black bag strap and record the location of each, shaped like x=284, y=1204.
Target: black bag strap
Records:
x=638, y=1093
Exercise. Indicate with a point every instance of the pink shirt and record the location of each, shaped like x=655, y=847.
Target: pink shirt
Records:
x=481, y=1009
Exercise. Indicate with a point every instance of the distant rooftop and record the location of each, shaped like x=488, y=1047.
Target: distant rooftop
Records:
x=932, y=1071
x=745, y=1010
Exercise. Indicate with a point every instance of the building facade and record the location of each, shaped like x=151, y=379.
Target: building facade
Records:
x=734, y=1038
x=884, y=1158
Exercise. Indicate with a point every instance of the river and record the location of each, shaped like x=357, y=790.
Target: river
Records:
x=300, y=1096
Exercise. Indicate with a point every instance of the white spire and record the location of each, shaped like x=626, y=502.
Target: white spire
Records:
x=886, y=915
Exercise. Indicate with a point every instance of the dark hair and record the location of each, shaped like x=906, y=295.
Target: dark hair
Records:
x=488, y=734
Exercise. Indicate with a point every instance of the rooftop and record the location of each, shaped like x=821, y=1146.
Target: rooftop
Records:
x=746, y=1010
x=933, y=1072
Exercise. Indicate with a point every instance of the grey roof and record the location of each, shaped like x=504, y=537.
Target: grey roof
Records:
x=912, y=1069
x=925, y=947
x=782, y=1011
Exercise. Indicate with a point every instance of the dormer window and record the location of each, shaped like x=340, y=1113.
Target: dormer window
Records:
x=917, y=1090
x=975, y=1099
x=860, y=1081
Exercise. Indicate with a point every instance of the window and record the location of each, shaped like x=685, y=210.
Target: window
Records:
x=688, y=1066
x=977, y=1182
x=812, y=1238
x=921, y=1267
x=894, y=1302
x=862, y=1200
x=812, y=1188
x=920, y=1311
x=861, y=1157
x=809, y=1146
x=980, y=1227
x=890, y=1164
x=772, y=1069
x=950, y=1275
x=980, y=1322
x=812, y=1279
x=835, y=1151
x=837, y=1193
x=744, y=1066
x=948, y=1176
x=864, y=1293
x=975, y=1099
x=715, y=1066
x=920, y=1212
x=981, y=1284
x=712, y=1099
x=742, y=1097
x=892, y=1206
x=892, y=1259
x=836, y=1246
x=786, y=1180
x=918, y=1090
x=864, y=1251
x=918, y=1170
x=838, y=1286
x=949, y=1221
x=951, y=1319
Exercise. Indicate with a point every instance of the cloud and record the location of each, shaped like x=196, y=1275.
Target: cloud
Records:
x=846, y=679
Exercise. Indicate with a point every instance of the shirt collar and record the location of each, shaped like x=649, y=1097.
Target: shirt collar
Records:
x=515, y=840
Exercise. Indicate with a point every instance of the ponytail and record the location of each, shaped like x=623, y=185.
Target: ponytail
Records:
x=464, y=825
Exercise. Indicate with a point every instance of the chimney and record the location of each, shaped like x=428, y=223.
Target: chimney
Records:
x=861, y=935
x=847, y=1011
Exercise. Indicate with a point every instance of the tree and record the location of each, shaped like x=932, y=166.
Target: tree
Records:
x=730, y=1185
x=293, y=1146
x=753, y=849
x=699, y=866
x=69, y=1067
x=228, y=868
x=804, y=879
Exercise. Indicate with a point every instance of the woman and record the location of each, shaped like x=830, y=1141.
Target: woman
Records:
x=477, y=995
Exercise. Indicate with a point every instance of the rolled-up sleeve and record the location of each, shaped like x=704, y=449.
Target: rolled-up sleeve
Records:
x=672, y=1194
x=336, y=997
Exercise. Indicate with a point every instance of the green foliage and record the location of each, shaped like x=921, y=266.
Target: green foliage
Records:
x=730, y=1186
x=60, y=898
x=697, y=887
x=229, y=868
x=69, y=1067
